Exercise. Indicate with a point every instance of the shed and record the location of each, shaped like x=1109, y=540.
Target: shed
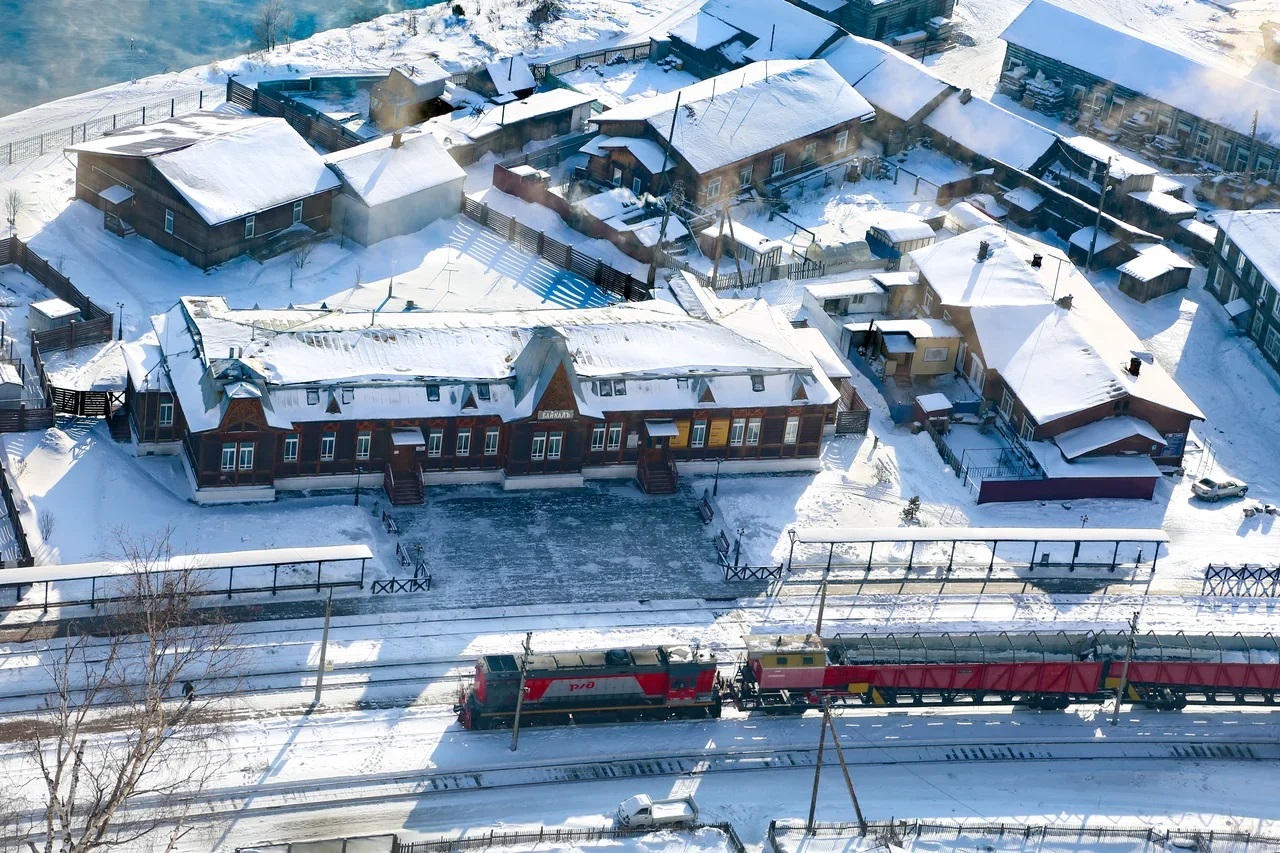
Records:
x=11, y=384
x=934, y=408
x=1108, y=251
x=746, y=244
x=895, y=235
x=507, y=79
x=395, y=185
x=409, y=94
x=1156, y=270
x=51, y=314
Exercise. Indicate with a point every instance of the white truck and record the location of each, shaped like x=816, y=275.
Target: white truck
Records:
x=643, y=812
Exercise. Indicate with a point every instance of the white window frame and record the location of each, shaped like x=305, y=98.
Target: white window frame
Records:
x=753, y=431
x=1255, y=328
x=842, y=140
x=250, y=226
x=1006, y=404
x=491, y=435
x=597, y=437
x=1240, y=259
x=364, y=444
x=328, y=446
x=555, y=444
x=737, y=429
x=1272, y=345
x=297, y=212
x=698, y=436
x=615, y=437
x=483, y=393
x=619, y=387
x=744, y=177
x=435, y=443
x=809, y=153
x=637, y=186
x=246, y=455
x=290, y=448
x=165, y=417
x=779, y=164
x=713, y=188
x=617, y=177
x=168, y=221
x=1027, y=433
x=791, y=434
x=229, y=456
x=462, y=443
x=538, y=447
x=433, y=393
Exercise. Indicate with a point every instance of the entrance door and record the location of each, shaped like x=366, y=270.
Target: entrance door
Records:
x=977, y=372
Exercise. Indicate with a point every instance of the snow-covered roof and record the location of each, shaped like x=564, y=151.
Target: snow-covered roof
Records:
x=917, y=327
x=610, y=203
x=422, y=72
x=146, y=140
x=1023, y=198
x=260, y=165
x=935, y=402
x=965, y=217
x=890, y=81
x=991, y=132
x=1094, y=436
x=378, y=173
x=1256, y=233
x=302, y=358
x=837, y=289
x=815, y=342
x=1057, y=360
x=736, y=115
x=1175, y=76
x=1152, y=262
x=510, y=75
x=649, y=153
x=1084, y=238
x=899, y=226
x=9, y=374
x=142, y=360
x=474, y=122
x=776, y=29
x=1057, y=467
x=1122, y=165
x=1203, y=230
x=1164, y=202
x=55, y=308
x=116, y=194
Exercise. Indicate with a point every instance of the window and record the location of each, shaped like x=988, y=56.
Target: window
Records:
x=809, y=152
x=1273, y=344
x=433, y=393
x=297, y=212
x=168, y=221
x=713, y=188
x=753, y=431
x=617, y=177
x=636, y=186
x=619, y=387
x=757, y=382
x=463, y=445
x=779, y=164
x=482, y=391
x=1255, y=328
x=792, y=432
x=246, y=456
x=682, y=383
x=313, y=396
x=604, y=388
x=229, y=456
x=928, y=301
x=328, y=443
x=699, y=438
x=364, y=442
x=435, y=442
x=597, y=437
x=348, y=394
x=615, y=436
x=290, y=448
x=1028, y=429
x=539, y=449
x=744, y=177
x=166, y=414
x=736, y=431
x=554, y=442
x=1275, y=301
x=1006, y=404
x=842, y=140
x=491, y=441
x=248, y=227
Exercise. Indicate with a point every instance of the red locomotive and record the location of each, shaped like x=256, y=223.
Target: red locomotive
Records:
x=650, y=683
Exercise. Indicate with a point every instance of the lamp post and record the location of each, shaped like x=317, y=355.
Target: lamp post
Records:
x=715, y=486
x=120, y=307
x=737, y=545
x=791, y=533
x=359, y=472
x=1084, y=519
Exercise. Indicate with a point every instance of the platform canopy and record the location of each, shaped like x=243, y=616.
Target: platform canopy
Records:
x=841, y=535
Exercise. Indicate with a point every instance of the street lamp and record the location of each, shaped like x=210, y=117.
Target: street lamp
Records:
x=715, y=486
x=737, y=545
x=791, y=532
x=1084, y=519
x=120, y=306
x=359, y=472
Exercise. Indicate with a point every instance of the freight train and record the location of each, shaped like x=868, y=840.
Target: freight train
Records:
x=791, y=673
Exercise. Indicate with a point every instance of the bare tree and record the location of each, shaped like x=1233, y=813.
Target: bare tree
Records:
x=272, y=25
x=127, y=725
x=13, y=205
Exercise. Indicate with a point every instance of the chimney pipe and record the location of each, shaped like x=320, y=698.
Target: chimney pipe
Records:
x=1036, y=261
x=1135, y=365
x=984, y=250
x=397, y=139
x=966, y=95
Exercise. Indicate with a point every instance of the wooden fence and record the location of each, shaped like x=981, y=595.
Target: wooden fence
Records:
x=753, y=276
x=311, y=124
x=607, y=56
x=605, y=277
x=494, y=838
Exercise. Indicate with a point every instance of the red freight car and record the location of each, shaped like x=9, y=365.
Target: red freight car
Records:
x=619, y=684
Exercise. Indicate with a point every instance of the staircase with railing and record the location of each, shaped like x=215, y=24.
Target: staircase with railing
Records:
x=658, y=476
x=404, y=488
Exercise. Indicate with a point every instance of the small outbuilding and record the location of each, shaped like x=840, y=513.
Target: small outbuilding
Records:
x=509, y=79
x=410, y=94
x=51, y=314
x=12, y=387
x=896, y=234
x=1108, y=251
x=1156, y=270
x=395, y=185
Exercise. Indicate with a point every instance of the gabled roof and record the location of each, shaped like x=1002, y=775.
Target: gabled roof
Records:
x=1094, y=436
x=734, y=116
x=510, y=75
x=890, y=81
x=147, y=140
x=991, y=132
x=378, y=173
x=775, y=29
x=422, y=73
x=1175, y=76
x=1257, y=234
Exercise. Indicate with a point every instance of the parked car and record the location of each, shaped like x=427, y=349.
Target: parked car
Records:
x=642, y=812
x=1215, y=490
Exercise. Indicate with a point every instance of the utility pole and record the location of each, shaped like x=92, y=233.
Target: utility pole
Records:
x=666, y=213
x=524, y=670
x=817, y=774
x=848, y=780
x=1097, y=223
x=324, y=645
x=822, y=599
x=1124, y=670
x=733, y=241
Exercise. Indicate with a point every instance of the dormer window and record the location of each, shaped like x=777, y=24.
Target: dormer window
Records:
x=683, y=383
x=433, y=393
x=348, y=395
x=619, y=387
x=313, y=396
x=604, y=388
x=757, y=382
x=482, y=391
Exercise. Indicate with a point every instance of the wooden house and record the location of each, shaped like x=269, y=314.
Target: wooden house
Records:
x=304, y=398
x=981, y=134
x=1054, y=358
x=1083, y=167
x=1156, y=271
x=504, y=80
x=1116, y=77
x=733, y=134
x=208, y=187
x=410, y=94
x=473, y=131
x=727, y=34
x=1244, y=275
x=903, y=22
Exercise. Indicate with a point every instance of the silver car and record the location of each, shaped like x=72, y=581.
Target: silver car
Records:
x=1215, y=490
